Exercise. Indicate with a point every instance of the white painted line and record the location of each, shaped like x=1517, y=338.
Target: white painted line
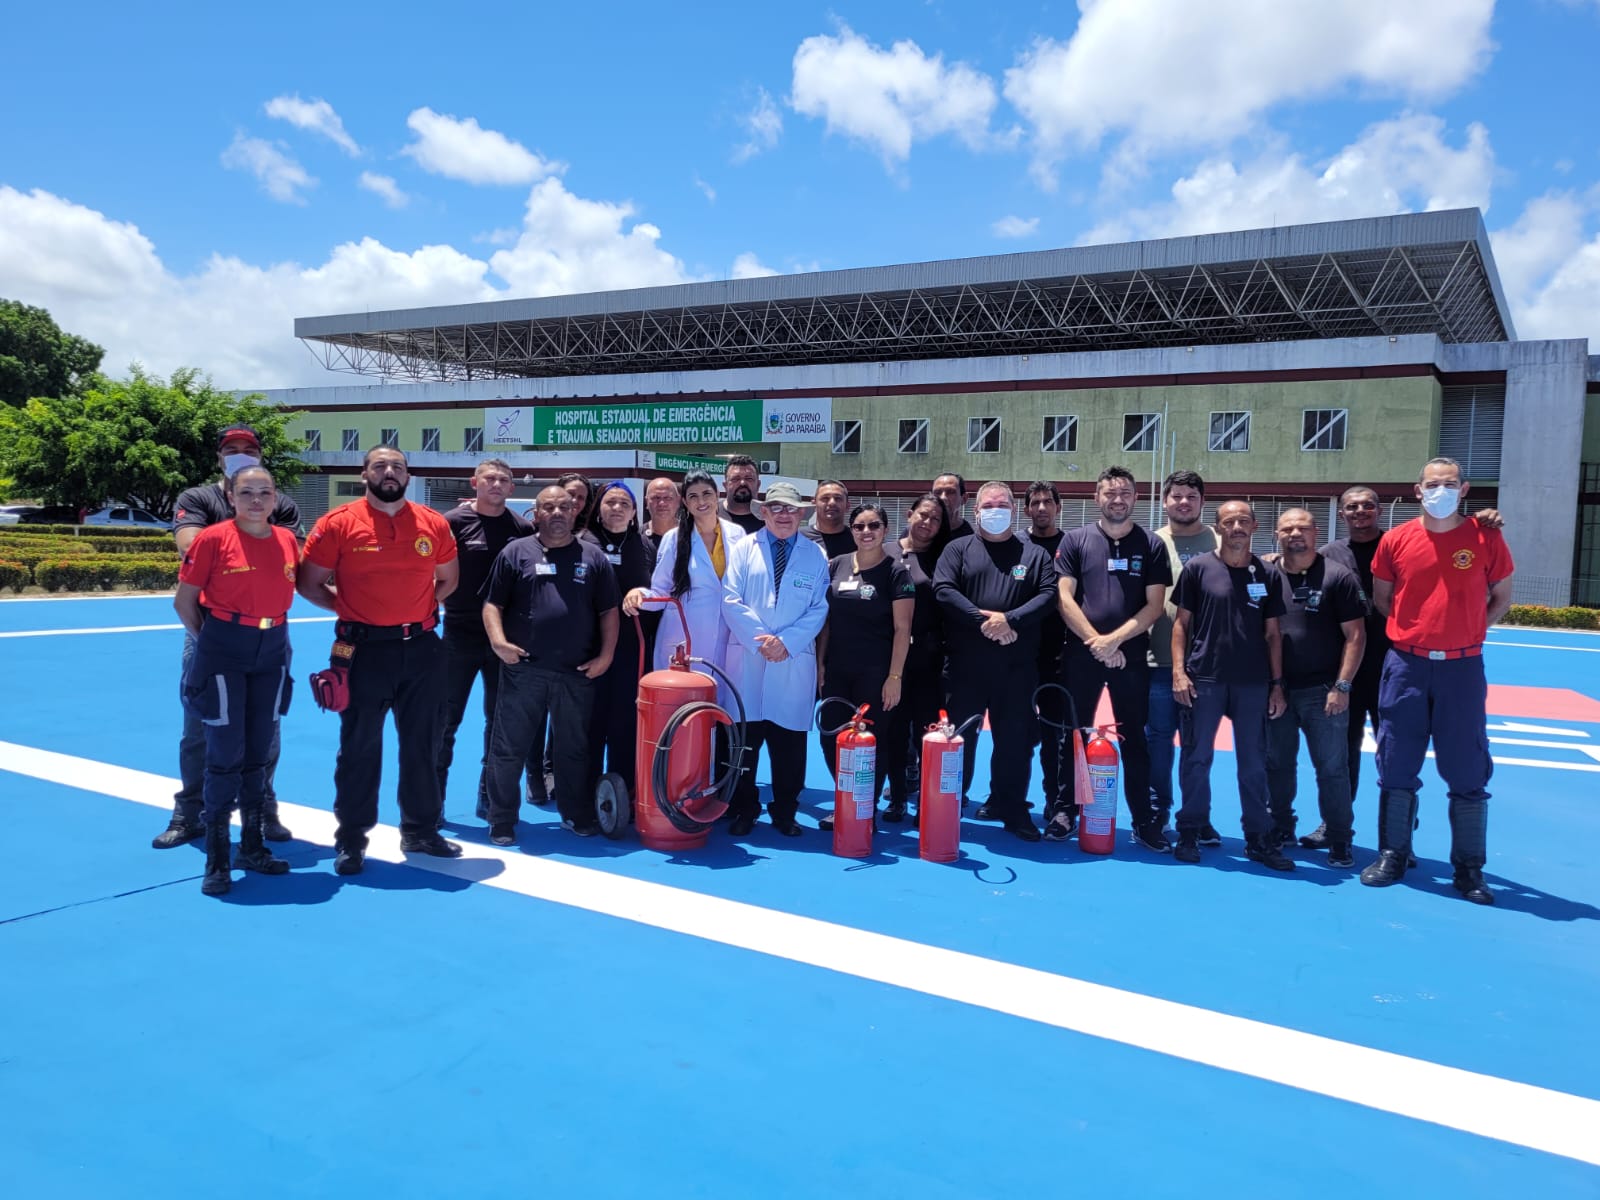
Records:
x=1547, y=730
x=1592, y=751
x=1594, y=768
x=1507, y=1111
x=92, y=596
x=1546, y=646
x=25, y=633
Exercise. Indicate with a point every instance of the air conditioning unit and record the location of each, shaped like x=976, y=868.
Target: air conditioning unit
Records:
x=769, y=466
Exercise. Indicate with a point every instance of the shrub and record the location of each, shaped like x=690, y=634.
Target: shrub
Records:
x=1553, y=618
x=14, y=575
x=35, y=550
x=104, y=574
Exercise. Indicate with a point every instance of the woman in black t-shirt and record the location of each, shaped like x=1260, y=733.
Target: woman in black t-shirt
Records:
x=614, y=723
x=927, y=534
x=861, y=652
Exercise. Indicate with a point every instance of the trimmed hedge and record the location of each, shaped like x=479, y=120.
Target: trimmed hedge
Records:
x=14, y=575
x=1553, y=618
x=105, y=574
x=97, y=531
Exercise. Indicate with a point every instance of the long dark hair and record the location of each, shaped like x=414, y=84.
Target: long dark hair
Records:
x=940, y=539
x=584, y=519
x=680, y=561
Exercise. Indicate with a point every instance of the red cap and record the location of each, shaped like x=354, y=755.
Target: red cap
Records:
x=236, y=432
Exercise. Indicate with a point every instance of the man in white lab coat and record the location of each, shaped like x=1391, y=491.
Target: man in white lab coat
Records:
x=775, y=594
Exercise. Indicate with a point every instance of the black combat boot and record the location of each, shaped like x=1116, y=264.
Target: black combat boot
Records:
x=1469, y=835
x=218, y=878
x=1265, y=849
x=273, y=829
x=184, y=827
x=1397, y=817
x=253, y=852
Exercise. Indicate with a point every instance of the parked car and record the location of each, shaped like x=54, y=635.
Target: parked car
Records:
x=35, y=514
x=126, y=517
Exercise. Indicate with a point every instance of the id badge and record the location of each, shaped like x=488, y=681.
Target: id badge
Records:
x=850, y=585
x=1256, y=591
x=1116, y=564
x=614, y=559
x=546, y=568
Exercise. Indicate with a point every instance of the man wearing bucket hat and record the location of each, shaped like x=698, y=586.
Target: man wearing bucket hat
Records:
x=238, y=446
x=775, y=600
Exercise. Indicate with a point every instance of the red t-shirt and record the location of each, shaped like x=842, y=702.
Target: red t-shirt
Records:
x=1441, y=582
x=383, y=566
x=238, y=573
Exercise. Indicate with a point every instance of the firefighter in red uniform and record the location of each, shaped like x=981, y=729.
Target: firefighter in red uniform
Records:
x=234, y=591
x=1442, y=580
x=383, y=564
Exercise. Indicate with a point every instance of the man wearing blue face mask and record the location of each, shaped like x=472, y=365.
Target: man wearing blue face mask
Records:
x=238, y=447
x=1441, y=581
x=994, y=590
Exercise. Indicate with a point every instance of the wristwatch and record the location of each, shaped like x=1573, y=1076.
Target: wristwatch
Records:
x=1275, y=682
x=1342, y=685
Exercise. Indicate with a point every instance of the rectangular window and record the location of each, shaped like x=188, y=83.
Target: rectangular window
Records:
x=1323, y=428
x=349, y=490
x=1060, y=435
x=847, y=437
x=914, y=435
x=430, y=439
x=1141, y=433
x=313, y=439
x=983, y=435
x=389, y=437
x=472, y=440
x=350, y=440
x=1229, y=431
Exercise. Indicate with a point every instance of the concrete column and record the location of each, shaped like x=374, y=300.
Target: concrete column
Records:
x=1540, y=464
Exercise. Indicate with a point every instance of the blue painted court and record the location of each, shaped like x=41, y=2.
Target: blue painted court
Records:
x=587, y=1018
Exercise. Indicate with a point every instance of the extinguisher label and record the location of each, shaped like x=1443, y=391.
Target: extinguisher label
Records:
x=1101, y=815
x=950, y=773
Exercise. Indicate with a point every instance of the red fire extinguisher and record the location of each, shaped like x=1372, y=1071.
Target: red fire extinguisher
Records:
x=855, y=794
x=939, y=805
x=1097, y=779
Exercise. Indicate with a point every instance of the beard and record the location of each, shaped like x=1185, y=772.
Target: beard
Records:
x=741, y=495
x=387, y=490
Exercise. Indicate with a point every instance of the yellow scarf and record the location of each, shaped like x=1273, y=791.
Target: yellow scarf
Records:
x=719, y=558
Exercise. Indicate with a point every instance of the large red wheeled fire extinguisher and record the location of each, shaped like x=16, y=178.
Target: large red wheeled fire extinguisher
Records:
x=939, y=804
x=679, y=800
x=1094, y=775
x=855, y=791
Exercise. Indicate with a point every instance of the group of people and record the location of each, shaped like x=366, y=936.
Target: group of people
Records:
x=808, y=621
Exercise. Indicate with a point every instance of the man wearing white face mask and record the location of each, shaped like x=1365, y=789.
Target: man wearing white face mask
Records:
x=238, y=447
x=995, y=590
x=1441, y=581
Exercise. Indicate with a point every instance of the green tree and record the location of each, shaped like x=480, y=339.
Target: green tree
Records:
x=38, y=359
x=137, y=441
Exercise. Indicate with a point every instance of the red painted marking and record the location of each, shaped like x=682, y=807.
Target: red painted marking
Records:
x=1550, y=704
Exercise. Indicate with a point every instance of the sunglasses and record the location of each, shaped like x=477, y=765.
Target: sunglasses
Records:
x=1359, y=505
x=781, y=510
x=865, y=526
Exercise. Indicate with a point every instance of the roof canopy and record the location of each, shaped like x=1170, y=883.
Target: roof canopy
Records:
x=1415, y=273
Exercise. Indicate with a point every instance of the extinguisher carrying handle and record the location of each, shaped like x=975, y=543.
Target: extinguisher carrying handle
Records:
x=859, y=714
x=683, y=623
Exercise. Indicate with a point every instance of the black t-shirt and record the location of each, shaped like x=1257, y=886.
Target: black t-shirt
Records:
x=1357, y=557
x=749, y=522
x=479, y=540
x=861, y=612
x=207, y=504
x=927, y=622
x=961, y=529
x=1316, y=602
x=551, y=600
x=1013, y=577
x=833, y=544
x=1229, y=609
x=1110, y=576
x=633, y=560
x=1053, y=633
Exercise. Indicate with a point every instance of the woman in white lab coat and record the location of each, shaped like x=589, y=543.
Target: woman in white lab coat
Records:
x=690, y=564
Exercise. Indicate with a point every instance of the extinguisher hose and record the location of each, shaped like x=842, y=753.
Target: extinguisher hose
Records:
x=1071, y=707
x=827, y=700
x=971, y=721
x=673, y=807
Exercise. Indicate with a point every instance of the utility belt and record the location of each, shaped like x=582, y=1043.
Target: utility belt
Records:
x=358, y=631
x=330, y=688
x=233, y=618
x=1439, y=655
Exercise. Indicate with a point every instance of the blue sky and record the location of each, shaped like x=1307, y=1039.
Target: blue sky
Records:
x=180, y=185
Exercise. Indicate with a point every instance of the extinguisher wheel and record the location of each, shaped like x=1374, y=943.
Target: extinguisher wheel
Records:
x=613, y=806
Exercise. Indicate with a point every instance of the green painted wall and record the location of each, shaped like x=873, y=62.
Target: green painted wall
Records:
x=452, y=424
x=1591, y=428
x=1393, y=426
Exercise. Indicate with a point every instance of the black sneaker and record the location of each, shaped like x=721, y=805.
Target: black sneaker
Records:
x=1209, y=836
x=1339, y=854
x=586, y=829
x=1281, y=837
x=177, y=833
x=349, y=861
x=503, y=834
x=1262, y=849
x=895, y=812
x=985, y=813
x=1188, y=848
x=1058, y=828
x=1152, y=837
x=1024, y=828
x=430, y=844
x=1317, y=839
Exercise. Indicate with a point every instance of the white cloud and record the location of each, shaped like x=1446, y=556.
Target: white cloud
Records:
x=280, y=176
x=764, y=124
x=1015, y=227
x=1549, y=262
x=103, y=279
x=888, y=99
x=385, y=186
x=1400, y=165
x=316, y=116
x=748, y=266
x=463, y=149
x=706, y=190
x=1173, y=72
